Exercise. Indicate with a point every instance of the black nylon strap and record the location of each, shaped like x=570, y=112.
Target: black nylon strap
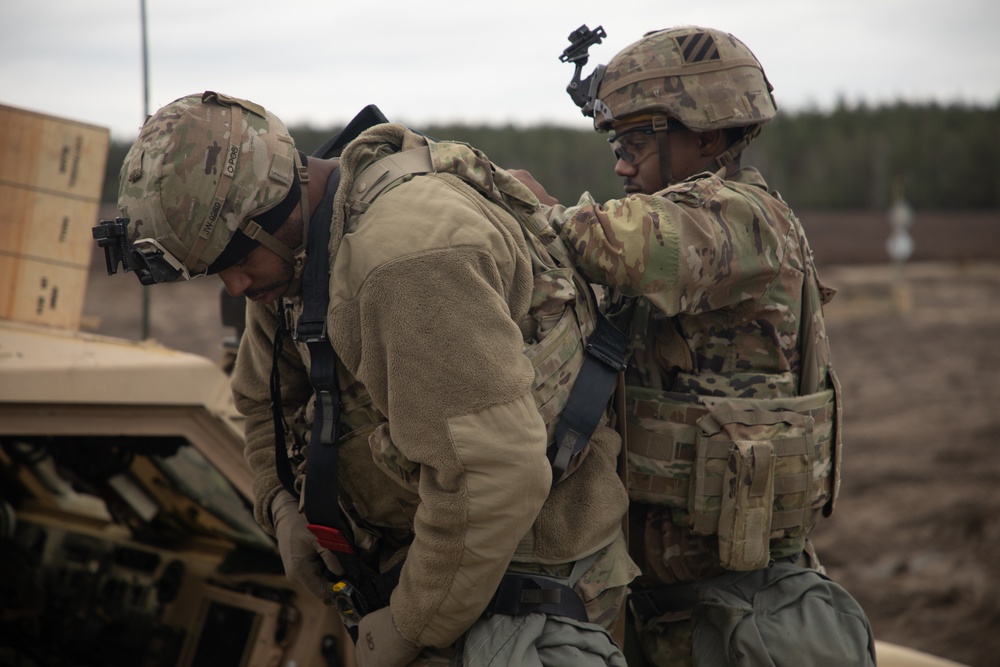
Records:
x=647, y=604
x=606, y=350
x=652, y=602
x=366, y=118
x=522, y=594
x=320, y=506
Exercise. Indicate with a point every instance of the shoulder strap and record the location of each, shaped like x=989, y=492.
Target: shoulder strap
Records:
x=604, y=362
x=311, y=330
x=363, y=588
x=371, y=182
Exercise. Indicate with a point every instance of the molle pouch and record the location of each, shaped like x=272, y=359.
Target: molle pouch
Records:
x=753, y=478
x=746, y=505
x=662, y=434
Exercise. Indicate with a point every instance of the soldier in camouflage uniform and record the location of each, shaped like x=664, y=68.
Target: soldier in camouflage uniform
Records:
x=732, y=406
x=458, y=339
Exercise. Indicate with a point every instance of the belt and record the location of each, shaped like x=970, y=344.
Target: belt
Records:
x=523, y=594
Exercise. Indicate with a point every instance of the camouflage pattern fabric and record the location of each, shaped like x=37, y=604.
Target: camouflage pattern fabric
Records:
x=201, y=167
x=705, y=78
x=725, y=261
x=721, y=265
x=681, y=447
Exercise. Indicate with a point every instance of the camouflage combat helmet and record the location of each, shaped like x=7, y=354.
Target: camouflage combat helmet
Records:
x=707, y=79
x=209, y=177
x=699, y=78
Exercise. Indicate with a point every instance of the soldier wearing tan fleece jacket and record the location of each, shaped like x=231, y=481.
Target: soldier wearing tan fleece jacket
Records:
x=455, y=362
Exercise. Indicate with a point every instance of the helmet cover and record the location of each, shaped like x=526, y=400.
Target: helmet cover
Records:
x=705, y=78
x=201, y=168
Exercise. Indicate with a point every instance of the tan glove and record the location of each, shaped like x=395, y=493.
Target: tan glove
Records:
x=380, y=644
x=304, y=559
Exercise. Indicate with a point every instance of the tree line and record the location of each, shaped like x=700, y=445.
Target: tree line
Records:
x=940, y=157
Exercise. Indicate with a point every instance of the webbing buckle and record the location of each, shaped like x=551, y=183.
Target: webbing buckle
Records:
x=608, y=357
x=608, y=345
x=520, y=594
x=310, y=331
x=330, y=538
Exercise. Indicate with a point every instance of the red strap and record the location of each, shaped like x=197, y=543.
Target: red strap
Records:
x=331, y=538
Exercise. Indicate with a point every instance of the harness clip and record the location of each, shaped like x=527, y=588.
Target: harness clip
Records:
x=310, y=331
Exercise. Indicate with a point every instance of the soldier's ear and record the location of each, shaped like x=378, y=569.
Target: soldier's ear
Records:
x=712, y=142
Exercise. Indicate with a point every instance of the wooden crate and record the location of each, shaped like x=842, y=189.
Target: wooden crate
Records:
x=51, y=176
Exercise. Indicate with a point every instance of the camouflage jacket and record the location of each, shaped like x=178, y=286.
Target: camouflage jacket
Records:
x=434, y=307
x=723, y=263
x=711, y=279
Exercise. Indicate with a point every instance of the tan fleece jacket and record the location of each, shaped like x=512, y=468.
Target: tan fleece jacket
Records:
x=426, y=290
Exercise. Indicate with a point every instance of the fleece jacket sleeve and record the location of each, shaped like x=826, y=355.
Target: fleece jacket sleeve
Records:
x=251, y=393
x=429, y=331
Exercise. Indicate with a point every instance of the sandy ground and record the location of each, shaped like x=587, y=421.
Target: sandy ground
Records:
x=915, y=536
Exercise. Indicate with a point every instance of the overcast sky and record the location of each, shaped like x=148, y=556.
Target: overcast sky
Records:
x=319, y=61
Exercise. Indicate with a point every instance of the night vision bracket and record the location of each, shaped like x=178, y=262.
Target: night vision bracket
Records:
x=150, y=264
x=583, y=91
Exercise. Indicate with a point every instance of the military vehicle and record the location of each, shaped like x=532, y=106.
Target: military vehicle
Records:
x=127, y=535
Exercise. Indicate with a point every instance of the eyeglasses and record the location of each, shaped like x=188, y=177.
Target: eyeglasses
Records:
x=635, y=145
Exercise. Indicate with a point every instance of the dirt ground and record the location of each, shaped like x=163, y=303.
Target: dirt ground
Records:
x=916, y=534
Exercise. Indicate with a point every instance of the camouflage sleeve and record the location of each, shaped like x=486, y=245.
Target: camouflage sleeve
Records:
x=683, y=258
x=251, y=392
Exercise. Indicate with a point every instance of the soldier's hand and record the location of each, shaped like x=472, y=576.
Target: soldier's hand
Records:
x=536, y=188
x=302, y=556
x=380, y=644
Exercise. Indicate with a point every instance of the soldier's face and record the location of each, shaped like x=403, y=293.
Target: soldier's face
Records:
x=262, y=276
x=637, y=156
x=637, y=151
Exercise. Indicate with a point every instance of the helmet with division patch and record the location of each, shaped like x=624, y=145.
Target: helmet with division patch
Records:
x=705, y=78
x=209, y=177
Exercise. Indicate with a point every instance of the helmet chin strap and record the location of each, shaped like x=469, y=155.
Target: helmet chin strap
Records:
x=296, y=257
x=731, y=153
x=299, y=254
x=663, y=145
x=721, y=161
